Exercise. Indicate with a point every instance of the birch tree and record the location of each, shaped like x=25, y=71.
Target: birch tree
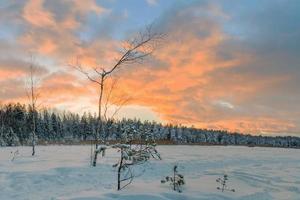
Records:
x=32, y=93
x=134, y=51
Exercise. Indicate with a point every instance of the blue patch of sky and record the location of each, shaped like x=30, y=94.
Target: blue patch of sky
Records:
x=235, y=10
x=8, y=32
x=247, y=17
x=123, y=17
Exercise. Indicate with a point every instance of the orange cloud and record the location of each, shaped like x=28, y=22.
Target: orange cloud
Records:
x=193, y=76
x=88, y=6
x=35, y=14
x=62, y=87
x=200, y=75
x=4, y=73
x=55, y=37
x=47, y=47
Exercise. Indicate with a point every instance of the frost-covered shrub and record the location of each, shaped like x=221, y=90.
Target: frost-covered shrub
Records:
x=130, y=156
x=14, y=155
x=176, y=181
x=136, y=149
x=223, y=182
x=94, y=153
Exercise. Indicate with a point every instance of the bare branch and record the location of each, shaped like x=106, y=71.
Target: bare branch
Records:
x=120, y=106
x=131, y=177
x=106, y=105
x=137, y=48
x=79, y=68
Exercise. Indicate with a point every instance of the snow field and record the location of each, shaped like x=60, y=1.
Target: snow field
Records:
x=63, y=173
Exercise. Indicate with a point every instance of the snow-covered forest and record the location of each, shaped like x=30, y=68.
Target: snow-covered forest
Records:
x=69, y=128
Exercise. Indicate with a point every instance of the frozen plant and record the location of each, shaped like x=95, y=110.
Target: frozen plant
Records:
x=223, y=182
x=176, y=181
x=15, y=154
x=94, y=153
x=130, y=157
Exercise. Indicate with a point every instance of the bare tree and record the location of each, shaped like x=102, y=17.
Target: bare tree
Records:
x=33, y=94
x=134, y=51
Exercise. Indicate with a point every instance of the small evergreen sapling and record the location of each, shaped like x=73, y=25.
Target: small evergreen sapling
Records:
x=176, y=181
x=130, y=156
x=223, y=182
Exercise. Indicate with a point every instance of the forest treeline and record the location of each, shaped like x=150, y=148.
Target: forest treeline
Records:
x=66, y=127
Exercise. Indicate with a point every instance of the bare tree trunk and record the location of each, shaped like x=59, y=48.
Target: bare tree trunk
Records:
x=33, y=99
x=100, y=122
x=174, y=187
x=95, y=158
x=2, y=125
x=34, y=126
x=119, y=171
x=92, y=153
x=223, y=187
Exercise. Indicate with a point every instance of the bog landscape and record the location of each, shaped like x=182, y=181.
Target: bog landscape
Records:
x=149, y=100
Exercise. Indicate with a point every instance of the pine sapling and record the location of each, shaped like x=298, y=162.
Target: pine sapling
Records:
x=130, y=157
x=223, y=182
x=176, y=180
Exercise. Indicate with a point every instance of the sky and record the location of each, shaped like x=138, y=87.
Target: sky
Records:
x=223, y=64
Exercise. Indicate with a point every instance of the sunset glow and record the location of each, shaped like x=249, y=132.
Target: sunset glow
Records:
x=221, y=65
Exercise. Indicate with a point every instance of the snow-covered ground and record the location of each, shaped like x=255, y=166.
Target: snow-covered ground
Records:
x=63, y=172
